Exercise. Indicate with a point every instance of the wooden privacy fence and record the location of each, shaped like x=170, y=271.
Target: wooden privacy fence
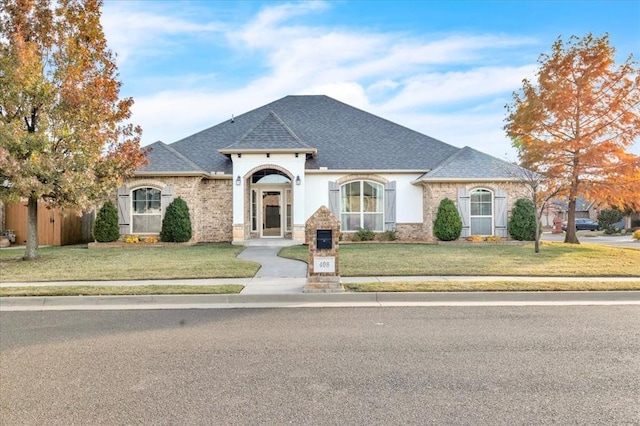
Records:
x=55, y=227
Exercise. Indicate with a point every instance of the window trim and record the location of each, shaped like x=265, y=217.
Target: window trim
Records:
x=133, y=210
x=492, y=215
x=381, y=200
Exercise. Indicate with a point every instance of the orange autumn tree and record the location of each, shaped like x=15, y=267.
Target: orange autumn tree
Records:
x=575, y=122
x=64, y=136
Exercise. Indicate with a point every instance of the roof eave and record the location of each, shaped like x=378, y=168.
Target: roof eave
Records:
x=363, y=171
x=182, y=174
x=463, y=180
x=228, y=151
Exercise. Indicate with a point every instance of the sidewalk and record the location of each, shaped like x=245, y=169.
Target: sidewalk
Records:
x=280, y=283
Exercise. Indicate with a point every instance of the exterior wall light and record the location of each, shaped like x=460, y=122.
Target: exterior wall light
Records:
x=238, y=180
x=298, y=181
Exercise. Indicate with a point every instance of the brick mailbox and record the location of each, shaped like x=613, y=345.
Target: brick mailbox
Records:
x=322, y=234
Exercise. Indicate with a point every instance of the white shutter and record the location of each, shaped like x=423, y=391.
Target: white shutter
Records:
x=390, y=206
x=166, y=198
x=500, y=203
x=463, y=209
x=124, y=210
x=334, y=198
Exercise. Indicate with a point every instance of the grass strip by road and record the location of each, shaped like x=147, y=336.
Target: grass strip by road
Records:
x=433, y=286
x=77, y=263
x=143, y=290
x=554, y=259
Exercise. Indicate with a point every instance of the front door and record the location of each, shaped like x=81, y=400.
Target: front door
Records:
x=271, y=213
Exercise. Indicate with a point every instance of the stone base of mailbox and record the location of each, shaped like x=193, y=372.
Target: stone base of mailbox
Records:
x=320, y=284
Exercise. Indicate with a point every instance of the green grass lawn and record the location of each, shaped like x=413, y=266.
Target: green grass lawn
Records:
x=143, y=290
x=554, y=259
x=399, y=287
x=77, y=263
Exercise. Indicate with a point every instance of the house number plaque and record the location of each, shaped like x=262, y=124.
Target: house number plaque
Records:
x=325, y=264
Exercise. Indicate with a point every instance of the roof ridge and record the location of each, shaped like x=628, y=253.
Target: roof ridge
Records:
x=288, y=129
x=270, y=114
x=181, y=156
x=445, y=162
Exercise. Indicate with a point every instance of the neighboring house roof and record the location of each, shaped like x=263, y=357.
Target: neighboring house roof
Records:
x=270, y=134
x=346, y=138
x=470, y=164
x=163, y=158
x=582, y=204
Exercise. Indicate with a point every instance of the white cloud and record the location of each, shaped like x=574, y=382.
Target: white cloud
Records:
x=132, y=32
x=406, y=78
x=451, y=87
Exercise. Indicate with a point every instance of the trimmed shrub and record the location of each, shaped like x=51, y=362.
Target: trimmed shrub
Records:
x=448, y=224
x=176, y=225
x=391, y=235
x=364, y=235
x=105, y=228
x=606, y=219
x=636, y=235
x=522, y=224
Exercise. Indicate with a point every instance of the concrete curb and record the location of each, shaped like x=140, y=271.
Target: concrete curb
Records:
x=234, y=301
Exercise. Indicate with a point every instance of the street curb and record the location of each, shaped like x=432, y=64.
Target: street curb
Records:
x=227, y=301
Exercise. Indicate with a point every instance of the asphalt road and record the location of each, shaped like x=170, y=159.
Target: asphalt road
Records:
x=464, y=365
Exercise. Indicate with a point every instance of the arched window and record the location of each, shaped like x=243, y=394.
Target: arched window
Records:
x=146, y=211
x=362, y=206
x=481, y=212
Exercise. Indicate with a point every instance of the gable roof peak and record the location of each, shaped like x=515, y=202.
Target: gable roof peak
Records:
x=271, y=133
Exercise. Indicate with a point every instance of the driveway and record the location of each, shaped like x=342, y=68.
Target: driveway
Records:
x=596, y=238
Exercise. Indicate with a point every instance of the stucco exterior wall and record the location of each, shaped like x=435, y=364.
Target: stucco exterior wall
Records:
x=210, y=201
x=408, y=197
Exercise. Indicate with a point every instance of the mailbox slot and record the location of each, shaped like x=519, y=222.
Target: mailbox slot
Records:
x=324, y=239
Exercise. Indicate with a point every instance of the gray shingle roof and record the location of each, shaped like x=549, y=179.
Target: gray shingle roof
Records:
x=469, y=163
x=346, y=138
x=270, y=133
x=163, y=158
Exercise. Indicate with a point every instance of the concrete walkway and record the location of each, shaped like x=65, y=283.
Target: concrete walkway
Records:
x=277, y=275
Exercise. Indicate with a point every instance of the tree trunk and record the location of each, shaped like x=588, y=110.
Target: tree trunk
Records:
x=570, y=236
x=32, y=229
x=538, y=216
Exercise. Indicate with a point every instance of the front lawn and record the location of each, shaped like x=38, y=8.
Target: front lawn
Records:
x=77, y=263
x=143, y=290
x=554, y=259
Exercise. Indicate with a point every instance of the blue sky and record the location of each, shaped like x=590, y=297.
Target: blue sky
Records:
x=444, y=68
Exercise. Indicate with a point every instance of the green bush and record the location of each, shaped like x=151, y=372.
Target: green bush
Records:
x=105, y=228
x=448, y=224
x=176, y=225
x=522, y=224
x=606, y=219
x=364, y=235
x=391, y=235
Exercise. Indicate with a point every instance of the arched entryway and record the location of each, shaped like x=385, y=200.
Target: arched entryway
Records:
x=270, y=203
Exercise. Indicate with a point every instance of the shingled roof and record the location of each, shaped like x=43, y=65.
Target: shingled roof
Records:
x=270, y=134
x=163, y=158
x=346, y=138
x=470, y=164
